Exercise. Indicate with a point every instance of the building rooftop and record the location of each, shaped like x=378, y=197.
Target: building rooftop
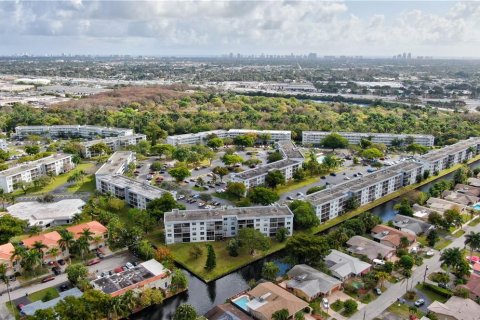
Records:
x=41, y=214
x=392, y=235
x=6, y=251
x=115, y=163
x=461, y=198
x=226, y=311
x=444, y=205
x=311, y=281
x=240, y=212
x=264, y=169
x=371, y=249
x=417, y=226
x=369, y=134
x=474, y=182
x=437, y=154
x=456, y=308
x=344, y=265
x=142, y=188
x=289, y=150
x=473, y=284
x=144, y=273
x=468, y=189
x=422, y=212
x=95, y=227
x=49, y=239
x=33, y=164
x=112, y=139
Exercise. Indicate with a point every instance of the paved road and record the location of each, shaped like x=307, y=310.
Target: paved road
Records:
x=109, y=263
x=376, y=307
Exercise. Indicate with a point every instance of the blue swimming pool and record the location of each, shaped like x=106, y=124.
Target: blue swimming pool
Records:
x=242, y=302
x=476, y=206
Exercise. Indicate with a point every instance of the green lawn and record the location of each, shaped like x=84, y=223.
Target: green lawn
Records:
x=156, y=237
x=442, y=244
x=474, y=222
x=225, y=263
x=459, y=233
x=294, y=185
x=41, y=293
x=433, y=296
x=402, y=310
x=87, y=185
x=13, y=310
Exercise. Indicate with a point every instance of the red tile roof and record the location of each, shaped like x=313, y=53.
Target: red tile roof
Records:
x=473, y=284
x=49, y=239
x=94, y=226
x=6, y=251
x=394, y=235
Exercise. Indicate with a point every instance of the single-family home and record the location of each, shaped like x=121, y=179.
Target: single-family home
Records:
x=473, y=286
x=267, y=298
x=6, y=251
x=226, y=311
x=422, y=212
x=308, y=283
x=455, y=308
x=98, y=231
x=470, y=189
x=410, y=224
x=50, y=240
x=372, y=249
x=474, y=182
x=390, y=236
x=461, y=198
x=442, y=205
x=344, y=266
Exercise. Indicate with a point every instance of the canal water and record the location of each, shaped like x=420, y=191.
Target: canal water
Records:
x=205, y=296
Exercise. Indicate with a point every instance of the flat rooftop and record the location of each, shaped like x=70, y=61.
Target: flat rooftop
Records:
x=198, y=134
x=212, y=214
x=34, y=211
x=33, y=164
x=145, y=272
x=264, y=169
x=370, y=134
x=144, y=189
x=114, y=163
x=448, y=150
x=70, y=126
x=289, y=149
x=113, y=139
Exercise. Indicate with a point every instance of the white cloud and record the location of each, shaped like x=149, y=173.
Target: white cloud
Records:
x=244, y=26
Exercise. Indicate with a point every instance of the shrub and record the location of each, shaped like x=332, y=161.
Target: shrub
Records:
x=337, y=305
x=443, y=292
x=350, y=307
x=461, y=292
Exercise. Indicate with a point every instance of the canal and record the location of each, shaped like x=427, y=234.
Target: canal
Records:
x=205, y=296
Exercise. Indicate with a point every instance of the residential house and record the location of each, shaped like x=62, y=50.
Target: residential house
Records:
x=267, y=298
x=6, y=251
x=390, y=236
x=226, y=311
x=442, y=205
x=455, y=308
x=99, y=233
x=308, y=283
x=344, y=266
x=460, y=198
x=474, y=182
x=473, y=286
x=471, y=189
x=422, y=212
x=373, y=250
x=411, y=224
x=50, y=240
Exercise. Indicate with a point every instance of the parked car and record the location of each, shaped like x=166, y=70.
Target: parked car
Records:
x=323, y=177
x=118, y=270
x=443, y=285
x=92, y=262
x=378, y=291
x=333, y=174
x=56, y=271
x=61, y=262
x=129, y=265
x=20, y=306
x=63, y=287
x=47, y=279
x=289, y=198
x=419, y=303
x=149, y=177
x=346, y=178
x=325, y=303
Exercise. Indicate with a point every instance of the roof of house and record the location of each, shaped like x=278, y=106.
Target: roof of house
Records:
x=469, y=189
x=457, y=308
x=269, y=297
x=422, y=212
x=392, y=235
x=474, y=182
x=226, y=312
x=344, y=265
x=458, y=197
x=31, y=308
x=444, y=205
x=6, y=251
x=417, y=226
x=370, y=248
x=473, y=284
x=49, y=239
x=310, y=281
x=95, y=227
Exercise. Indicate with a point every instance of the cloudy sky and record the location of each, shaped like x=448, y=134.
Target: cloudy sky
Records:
x=370, y=28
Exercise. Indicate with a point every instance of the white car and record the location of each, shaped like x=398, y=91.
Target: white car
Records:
x=325, y=303
x=129, y=265
x=346, y=178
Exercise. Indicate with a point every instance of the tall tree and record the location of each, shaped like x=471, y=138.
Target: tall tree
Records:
x=274, y=178
x=211, y=262
x=185, y=312
x=66, y=242
x=253, y=240
x=334, y=141
x=473, y=241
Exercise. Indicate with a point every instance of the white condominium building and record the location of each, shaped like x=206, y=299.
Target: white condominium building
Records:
x=440, y=159
x=256, y=177
x=136, y=194
x=202, y=137
x=114, y=143
x=217, y=224
x=81, y=131
x=117, y=164
x=30, y=171
x=316, y=137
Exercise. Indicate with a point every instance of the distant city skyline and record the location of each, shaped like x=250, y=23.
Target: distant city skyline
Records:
x=215, y=28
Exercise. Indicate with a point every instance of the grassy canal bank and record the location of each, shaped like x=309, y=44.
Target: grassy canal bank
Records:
x=227, y=264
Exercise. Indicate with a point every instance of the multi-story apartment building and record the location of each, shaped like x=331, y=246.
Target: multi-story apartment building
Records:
x=440, y=159
x=217, y=224
x=316, y=137
x=30, y=171
x=117, y=164
x=67, y=131
x=202, y=137
x=256, y=177
x=114, y=143
x=136, y=194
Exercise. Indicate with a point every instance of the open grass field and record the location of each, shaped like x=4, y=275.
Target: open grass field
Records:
x=39, y=295
x=225, y=263
x=402, y=310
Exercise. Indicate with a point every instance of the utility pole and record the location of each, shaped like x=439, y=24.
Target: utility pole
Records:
x=425, y=274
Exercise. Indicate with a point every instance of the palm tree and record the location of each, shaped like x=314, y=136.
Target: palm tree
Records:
x=473, y=241
x=4, y=278
x=82, y=246
x=18, y=253
x=97, y=240
x=451, y=257
x=87, y=234
x=32, y=260
x=66, y=242
x=54, y=252
x=34, y=230
x=129, y=300
x=39, y=246
x=382, y=276
x=282, y=314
